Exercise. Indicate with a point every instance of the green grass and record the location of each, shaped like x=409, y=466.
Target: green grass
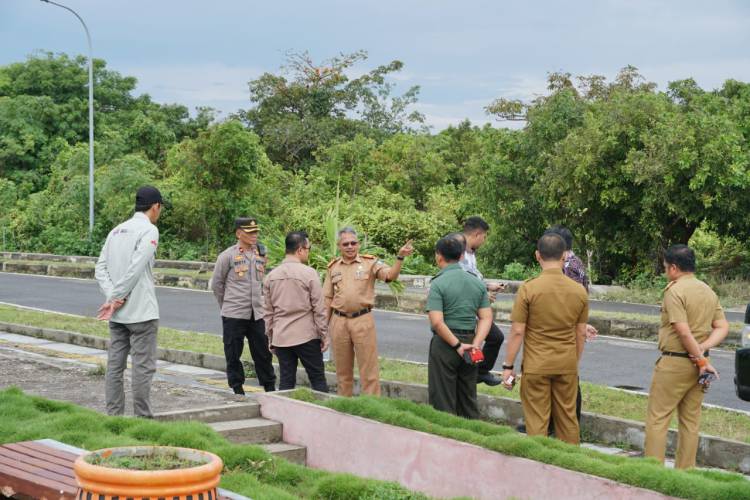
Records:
x=640, y=472
x=249, y=470
x=596, y=398
x=731, y=292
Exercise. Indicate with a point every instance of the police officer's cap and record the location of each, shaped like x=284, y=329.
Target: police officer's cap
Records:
x=147, y=196
x=247, y=224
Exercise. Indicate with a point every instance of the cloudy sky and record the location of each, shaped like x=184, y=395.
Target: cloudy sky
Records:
x=462, y=54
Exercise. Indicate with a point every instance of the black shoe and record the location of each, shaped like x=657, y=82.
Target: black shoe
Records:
x=238, y=389
x=488, y=379
x=521, y=428
x=270, y=388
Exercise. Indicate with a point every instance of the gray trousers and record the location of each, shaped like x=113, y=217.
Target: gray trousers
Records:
x=139, y=340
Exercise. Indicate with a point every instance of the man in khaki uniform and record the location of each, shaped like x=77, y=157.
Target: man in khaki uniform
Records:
x=549, y=318
x=349, y=291
x=692, y=322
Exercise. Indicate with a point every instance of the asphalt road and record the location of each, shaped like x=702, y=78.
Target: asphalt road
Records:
x=608, y=360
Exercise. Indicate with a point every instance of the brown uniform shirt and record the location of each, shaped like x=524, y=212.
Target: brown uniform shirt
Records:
x=295, y=312
x=351, y=287
x=551, y=305
x=687, y=300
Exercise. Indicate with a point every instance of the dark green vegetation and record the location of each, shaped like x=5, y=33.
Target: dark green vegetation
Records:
x=249, y=470
x=630, y=169
x=154, y=461
x=644, y=473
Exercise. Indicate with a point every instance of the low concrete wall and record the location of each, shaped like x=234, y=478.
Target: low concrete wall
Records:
x=712, y=451
x=435, y=465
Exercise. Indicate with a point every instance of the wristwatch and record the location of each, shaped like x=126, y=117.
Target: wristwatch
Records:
x=507, y=367
x=458, y=344
x=399, y=257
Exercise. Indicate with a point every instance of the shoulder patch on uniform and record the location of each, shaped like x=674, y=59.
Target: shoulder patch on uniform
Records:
x=530, y=279
x=333, y=262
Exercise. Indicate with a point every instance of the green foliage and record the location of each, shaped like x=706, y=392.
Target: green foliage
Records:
x=311, y=105
x=628, y=168
x=517, y=271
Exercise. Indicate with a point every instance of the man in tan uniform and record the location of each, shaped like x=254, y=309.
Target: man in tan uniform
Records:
x=549, y=318
x=349, y=291
x=692, y=322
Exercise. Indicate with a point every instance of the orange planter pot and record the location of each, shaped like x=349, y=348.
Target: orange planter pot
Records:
x=97, y=482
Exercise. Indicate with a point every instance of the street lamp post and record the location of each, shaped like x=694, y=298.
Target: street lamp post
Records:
x=91, y=116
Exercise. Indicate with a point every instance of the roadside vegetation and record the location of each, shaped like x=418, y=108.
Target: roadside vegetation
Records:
x=628, y=167
x=640, y=472
x=248, y=470
x=597, y=398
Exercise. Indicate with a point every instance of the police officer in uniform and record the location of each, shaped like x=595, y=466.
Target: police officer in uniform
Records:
x=455, y=301
x=237, y=285
x=549, y=318
x=349, y=291
x=692, y=322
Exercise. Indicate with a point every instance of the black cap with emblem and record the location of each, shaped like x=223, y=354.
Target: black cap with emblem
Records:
x=247, y=224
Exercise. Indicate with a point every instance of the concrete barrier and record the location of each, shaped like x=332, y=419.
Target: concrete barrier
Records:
x=339, y=442
x=712, y=451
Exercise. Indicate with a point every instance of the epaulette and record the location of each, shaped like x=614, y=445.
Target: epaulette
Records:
x=669, y=285
x=332, y=262
x=367, y=256
x=530, y=279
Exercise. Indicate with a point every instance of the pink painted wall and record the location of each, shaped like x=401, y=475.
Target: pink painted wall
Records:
x=435, y=465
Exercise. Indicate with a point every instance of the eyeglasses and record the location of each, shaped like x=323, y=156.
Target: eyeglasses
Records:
x=350, y=244
x=307, y=247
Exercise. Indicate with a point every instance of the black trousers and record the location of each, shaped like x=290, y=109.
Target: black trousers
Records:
x=235, y=331
x=491, y=349
x=312, y=359
x=451, y=382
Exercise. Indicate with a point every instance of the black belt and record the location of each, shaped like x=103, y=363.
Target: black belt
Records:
x=458, y=332
x=361, y=312
x=681, y=354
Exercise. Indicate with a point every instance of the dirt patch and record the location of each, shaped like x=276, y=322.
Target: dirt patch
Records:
x=83, y=385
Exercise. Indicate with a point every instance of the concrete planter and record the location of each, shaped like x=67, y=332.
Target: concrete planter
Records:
x=437, y=466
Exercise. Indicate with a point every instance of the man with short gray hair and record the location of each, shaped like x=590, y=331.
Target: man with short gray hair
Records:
x=349, y=292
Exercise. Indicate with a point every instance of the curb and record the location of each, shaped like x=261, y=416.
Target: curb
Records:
x=712, y=451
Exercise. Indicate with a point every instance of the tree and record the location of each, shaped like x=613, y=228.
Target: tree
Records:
x=312, y=105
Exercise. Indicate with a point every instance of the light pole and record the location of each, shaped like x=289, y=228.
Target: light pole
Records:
x=91, y=116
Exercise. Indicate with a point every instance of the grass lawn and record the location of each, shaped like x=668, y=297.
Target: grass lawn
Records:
x=248, y=470
x=596, y=398
x=641, y=472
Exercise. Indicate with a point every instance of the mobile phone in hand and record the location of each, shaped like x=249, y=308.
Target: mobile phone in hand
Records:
x=706, y=378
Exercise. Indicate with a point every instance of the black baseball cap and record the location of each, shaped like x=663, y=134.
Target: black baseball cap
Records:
x=147, y=196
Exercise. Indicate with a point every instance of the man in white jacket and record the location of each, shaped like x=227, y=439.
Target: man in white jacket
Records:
x=124, y=273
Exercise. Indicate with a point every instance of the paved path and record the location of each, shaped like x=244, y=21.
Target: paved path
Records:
x=610, y=361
